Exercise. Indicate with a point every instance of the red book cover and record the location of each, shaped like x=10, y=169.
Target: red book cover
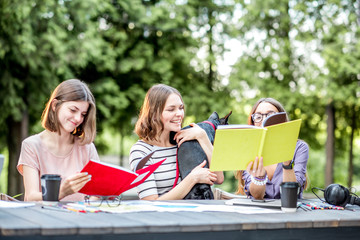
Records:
x=108, y=179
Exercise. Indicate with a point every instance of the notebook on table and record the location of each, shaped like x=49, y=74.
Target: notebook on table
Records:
x=267, y=203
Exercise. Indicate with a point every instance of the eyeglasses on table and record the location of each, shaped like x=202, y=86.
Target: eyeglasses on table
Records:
x=98, y=200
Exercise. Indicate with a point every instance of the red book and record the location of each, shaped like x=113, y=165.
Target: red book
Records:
x=108, y=179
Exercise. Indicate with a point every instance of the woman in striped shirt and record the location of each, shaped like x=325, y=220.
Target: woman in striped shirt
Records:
x=161, y=113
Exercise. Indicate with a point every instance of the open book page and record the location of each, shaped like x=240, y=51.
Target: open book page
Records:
x=106, y=179
x=109, y=165
x=144, y=173
x=139, y=178
x=235, y=148
x=280, y=142
x=236, y=126
x=109, y=179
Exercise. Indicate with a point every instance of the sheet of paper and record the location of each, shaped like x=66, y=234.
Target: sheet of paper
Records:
x=158, y=206
x=11, y=204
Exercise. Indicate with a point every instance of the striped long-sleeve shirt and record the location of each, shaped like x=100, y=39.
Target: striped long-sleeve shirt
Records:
x=162, y=180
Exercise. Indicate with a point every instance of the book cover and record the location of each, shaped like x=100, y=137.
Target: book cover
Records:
x=235, y=146
x=109, y=179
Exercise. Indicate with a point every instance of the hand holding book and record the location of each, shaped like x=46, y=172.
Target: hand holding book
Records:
x=108, y=179
x=235, y=146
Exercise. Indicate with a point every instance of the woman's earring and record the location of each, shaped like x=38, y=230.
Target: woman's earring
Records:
x=75, y=131
x=78, y=132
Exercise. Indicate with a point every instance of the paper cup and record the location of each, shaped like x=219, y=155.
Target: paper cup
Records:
x=289, y=193
x=50, y=186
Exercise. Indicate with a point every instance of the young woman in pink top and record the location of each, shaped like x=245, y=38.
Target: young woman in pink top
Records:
x=66, y=144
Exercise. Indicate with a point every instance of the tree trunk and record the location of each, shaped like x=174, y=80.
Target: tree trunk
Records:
x=211, y=57
x=330, y=144
x=351, y=155
x=17, y=131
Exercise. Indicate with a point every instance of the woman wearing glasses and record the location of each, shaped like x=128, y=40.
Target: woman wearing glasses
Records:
x=260, y=181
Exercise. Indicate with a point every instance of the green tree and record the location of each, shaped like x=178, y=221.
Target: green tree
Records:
x=270, y=64
x=334, y=25
x=121, y=48
x=152, y=42
x=304, y=54
x=38, y=40
x=274, y=62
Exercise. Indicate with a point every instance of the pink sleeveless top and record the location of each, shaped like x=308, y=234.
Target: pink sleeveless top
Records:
x=35, y=154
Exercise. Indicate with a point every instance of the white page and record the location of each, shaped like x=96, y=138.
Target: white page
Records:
x=114, y=166
x=140, y=177
x=11, y=204
x=236, y=126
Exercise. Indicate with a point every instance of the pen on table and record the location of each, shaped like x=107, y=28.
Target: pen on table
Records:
x=73, y=209
x=335, y=207
x=85, y=208
x=55, y=208
x=308, y=205
x=313, y=207
x=304, y=206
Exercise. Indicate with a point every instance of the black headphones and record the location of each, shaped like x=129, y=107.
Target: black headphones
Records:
x=338, y=195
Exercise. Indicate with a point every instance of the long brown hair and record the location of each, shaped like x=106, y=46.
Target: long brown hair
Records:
x=149, y=126
x=71, y=90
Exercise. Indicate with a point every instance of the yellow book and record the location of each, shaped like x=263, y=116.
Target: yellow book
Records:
x=236, y=145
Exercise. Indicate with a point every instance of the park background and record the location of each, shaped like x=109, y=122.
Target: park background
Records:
x=221, y=55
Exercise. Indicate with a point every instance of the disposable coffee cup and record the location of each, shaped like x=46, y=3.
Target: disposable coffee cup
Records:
x=50, y=186
x=289, y=195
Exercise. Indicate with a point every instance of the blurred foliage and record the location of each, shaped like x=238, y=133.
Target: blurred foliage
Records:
x=303, y=53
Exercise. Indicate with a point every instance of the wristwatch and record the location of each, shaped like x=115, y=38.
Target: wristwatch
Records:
x=287, y=167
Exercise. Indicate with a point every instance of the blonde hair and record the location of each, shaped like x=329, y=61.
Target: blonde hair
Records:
x=71, y=90
x=241, y=182
x=149, y=126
